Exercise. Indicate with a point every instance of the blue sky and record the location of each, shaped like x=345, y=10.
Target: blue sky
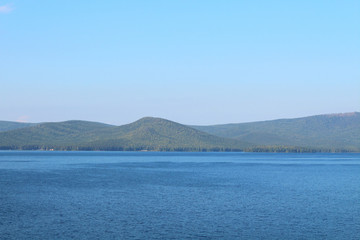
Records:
x=194, y=62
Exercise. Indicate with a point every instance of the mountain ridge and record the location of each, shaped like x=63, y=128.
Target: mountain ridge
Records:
x=327, y=132
x=9, y=125
x=145, y=134
x=322, y=131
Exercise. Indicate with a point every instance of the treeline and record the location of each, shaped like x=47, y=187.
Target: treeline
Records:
x=291, y=149
x=264, y=149
x=120, y=148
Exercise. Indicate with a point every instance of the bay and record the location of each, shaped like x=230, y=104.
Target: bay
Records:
x=158, y=195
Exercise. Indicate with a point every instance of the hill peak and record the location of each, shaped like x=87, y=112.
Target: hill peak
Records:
x=152, y=120
x=149, y=118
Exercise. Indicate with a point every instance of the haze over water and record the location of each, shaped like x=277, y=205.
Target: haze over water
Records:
x=136, y=195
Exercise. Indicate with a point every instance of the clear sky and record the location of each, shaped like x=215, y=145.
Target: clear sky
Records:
x=194, y=62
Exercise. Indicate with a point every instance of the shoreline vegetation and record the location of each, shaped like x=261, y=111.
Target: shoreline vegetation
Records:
x=258, y=149
x=252, y=150
x=323, y=133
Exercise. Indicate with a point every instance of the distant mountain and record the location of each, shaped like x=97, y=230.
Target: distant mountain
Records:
x=329, y=133
x=332, y=132
x=6, y=125
x=144, y=134
x=51, y=135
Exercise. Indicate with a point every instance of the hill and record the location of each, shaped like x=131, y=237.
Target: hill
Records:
x=330, y=132
x=144, y=134
x=335, y=132
x=6, y=125
x=51, y=135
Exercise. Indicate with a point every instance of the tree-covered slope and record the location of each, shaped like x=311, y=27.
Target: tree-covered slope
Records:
x=49, y=135
x=6, y=125
x=160, y=134
x=144, y=134
x=334, y=131
x=318, y=133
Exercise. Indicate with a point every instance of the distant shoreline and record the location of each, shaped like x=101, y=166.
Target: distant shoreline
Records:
x=159, y=151
x=320, y=133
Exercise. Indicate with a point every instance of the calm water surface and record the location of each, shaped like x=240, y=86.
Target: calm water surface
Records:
x=146, y=195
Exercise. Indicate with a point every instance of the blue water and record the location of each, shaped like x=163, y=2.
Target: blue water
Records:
x=147, y=195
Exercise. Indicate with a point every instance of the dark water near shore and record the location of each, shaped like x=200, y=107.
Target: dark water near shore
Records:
x=147, y=195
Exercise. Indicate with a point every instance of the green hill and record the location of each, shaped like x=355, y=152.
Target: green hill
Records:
x=332, y=132
x=51, y=135
x=164, y=135
x=6, y=125
x=144, y=134
x=336, y=132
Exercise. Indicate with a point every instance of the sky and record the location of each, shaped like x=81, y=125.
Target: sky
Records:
x=195, y=62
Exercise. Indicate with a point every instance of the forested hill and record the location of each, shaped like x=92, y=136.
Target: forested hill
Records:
x=6, y=125
x=50, y=135
x=333, y=132
x=144, y=134
x=329, y=133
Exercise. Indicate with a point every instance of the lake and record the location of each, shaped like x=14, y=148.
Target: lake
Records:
x=152, y=195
